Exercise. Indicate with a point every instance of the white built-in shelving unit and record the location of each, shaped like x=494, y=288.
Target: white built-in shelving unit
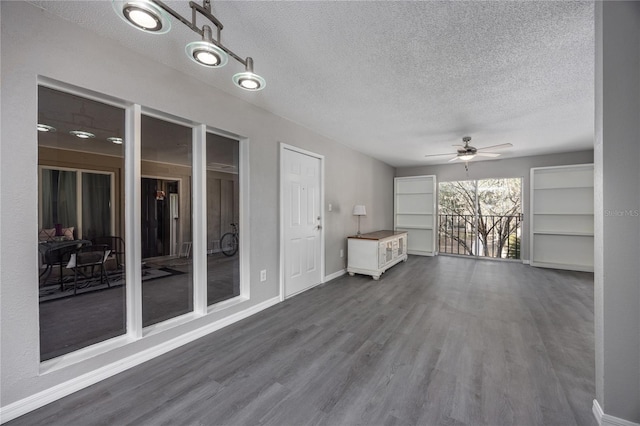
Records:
x=562, y=217
x=415, y=212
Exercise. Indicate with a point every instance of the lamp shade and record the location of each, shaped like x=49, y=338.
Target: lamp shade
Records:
x=359, y=210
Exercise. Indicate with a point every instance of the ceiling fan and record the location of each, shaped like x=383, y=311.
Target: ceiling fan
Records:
x=467, y=152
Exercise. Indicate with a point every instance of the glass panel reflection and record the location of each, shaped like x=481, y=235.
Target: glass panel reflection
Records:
x=81, y=193
x=223, y=212
x=167, y=278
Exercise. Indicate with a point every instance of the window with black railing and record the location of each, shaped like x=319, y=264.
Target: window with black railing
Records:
x=496, y=236
x=481, y=218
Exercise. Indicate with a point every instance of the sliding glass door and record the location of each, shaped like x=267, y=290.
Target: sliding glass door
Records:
x=481, y=217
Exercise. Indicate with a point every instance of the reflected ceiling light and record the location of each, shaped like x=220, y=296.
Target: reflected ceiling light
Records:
x=153, y=16
x=205, y=52
x=115, y=140
x=45, y=128
x=248, y=80
x=144, y=15
x=82, y=134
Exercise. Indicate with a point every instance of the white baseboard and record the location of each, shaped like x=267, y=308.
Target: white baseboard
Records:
x=607, y=420
x=335, y=275
x=526, y=262
x=42, y=398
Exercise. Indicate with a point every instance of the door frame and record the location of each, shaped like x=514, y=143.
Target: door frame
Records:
x=180, y=193
x=284, y=147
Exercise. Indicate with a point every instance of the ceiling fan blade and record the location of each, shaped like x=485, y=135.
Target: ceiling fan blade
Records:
x=453, y=159
x=488, y=154
x=439, y=155
x=501, y=146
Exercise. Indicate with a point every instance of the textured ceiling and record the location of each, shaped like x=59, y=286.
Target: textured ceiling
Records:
x=398, y=80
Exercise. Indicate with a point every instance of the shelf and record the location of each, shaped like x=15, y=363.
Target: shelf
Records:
x=563, y=214
x=564, y=233
x=400, y=228
x=412, y=193
x=567, y=266
x=563, y=187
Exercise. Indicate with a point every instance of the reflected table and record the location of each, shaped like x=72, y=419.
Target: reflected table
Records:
x=57, y=253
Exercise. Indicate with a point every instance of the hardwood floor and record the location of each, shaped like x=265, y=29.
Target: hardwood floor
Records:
x=437, y=341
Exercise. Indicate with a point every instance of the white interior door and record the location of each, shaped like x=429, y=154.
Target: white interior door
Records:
x=302, y=223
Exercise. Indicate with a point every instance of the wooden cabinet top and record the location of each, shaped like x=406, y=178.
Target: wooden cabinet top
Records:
x=377, y=235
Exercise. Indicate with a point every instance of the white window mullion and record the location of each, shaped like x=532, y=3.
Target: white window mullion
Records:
x=80, y=230
x=132, y=205
x=243, y=177
x=199, y=208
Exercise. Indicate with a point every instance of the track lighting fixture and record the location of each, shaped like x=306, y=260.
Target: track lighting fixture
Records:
x=153, y=16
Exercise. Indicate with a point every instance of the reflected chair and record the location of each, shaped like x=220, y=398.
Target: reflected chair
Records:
x=84, y=262
x=116, y=246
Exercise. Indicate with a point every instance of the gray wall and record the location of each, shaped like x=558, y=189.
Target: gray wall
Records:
x=617, y=209
x=504, y=168
x=36, y=44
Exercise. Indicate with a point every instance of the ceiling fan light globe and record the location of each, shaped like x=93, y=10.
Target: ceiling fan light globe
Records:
x=467, y=157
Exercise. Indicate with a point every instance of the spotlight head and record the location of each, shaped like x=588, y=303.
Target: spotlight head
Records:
x=206, y=54
x=249, y=80
x=143, y=15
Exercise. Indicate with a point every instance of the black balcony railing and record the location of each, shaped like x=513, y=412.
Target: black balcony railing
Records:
x=486, y=236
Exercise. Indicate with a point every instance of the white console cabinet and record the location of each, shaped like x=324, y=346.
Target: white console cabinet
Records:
x=375, y=252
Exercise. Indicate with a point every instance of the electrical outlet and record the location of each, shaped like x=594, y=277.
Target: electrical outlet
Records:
x=263, y=275
x=341, y=253
x=330, y=207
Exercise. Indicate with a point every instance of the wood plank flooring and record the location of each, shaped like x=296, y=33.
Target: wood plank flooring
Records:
x=437, y=341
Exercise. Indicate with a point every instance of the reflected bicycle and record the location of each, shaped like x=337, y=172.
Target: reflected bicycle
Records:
x=229, y=241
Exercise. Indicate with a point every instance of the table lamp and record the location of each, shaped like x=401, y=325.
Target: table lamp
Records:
x=359, y=210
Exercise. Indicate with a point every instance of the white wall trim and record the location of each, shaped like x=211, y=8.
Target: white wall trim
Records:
x=335, y=275
x=526, y=262
x=607, y=420
x=40, y=399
